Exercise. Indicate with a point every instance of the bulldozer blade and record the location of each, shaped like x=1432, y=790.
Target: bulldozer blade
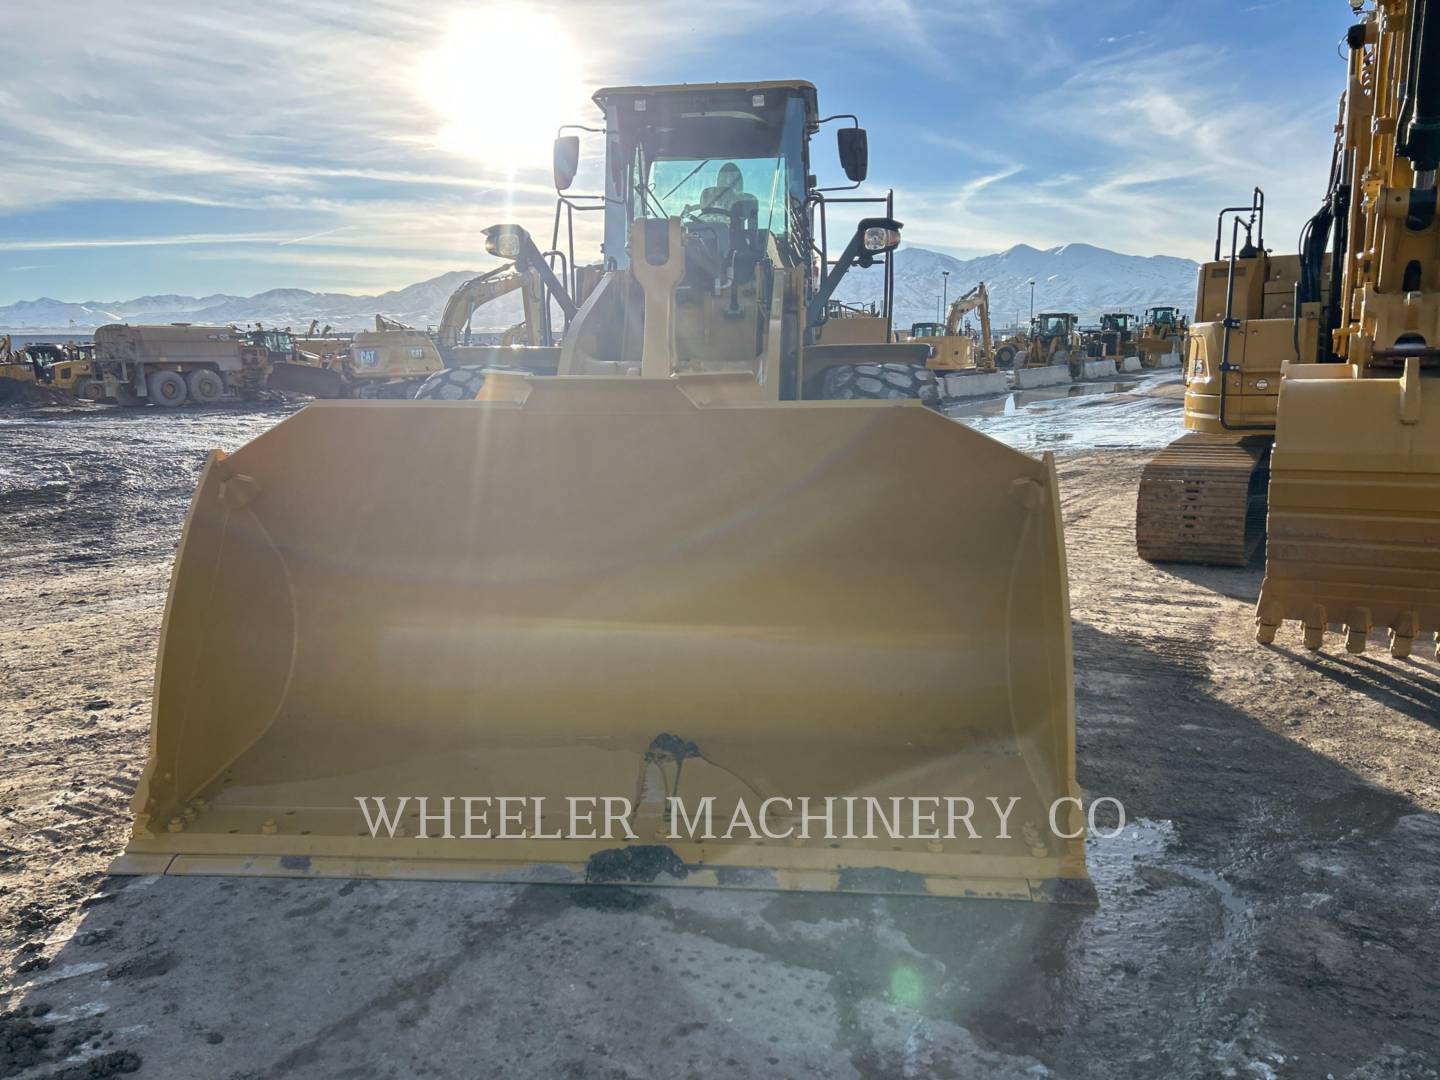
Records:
x=1354, y=521
x=654, y=593
x=306, y=379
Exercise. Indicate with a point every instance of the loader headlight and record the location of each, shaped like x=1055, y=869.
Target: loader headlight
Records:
x=881, y=239
x=504, y=241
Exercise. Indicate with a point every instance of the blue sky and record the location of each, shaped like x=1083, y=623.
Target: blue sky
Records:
x=176, y=147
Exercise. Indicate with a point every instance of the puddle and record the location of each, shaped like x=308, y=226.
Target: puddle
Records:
x=1136, y=412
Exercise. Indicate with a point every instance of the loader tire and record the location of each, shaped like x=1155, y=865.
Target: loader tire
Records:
x=855, y=382
x=206, y=386
x=452, y=384
x=166, y=388
x=1005, y=357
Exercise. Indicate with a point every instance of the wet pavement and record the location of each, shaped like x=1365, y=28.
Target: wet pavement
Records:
x=100, y=486
x=1133, y=412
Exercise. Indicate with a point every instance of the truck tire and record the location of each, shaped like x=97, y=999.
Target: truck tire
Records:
x=1005, y=357
x=856, y=382
x=206, y=387
x=452, y=384
x=167, y=388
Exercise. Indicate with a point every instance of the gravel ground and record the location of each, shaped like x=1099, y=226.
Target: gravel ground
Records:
x=1269, y=911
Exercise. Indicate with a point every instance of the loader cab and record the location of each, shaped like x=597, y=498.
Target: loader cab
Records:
x=1117, y=323
x=730, y=161
x=1054, y=324
x=279, y=344
x=1163, y=318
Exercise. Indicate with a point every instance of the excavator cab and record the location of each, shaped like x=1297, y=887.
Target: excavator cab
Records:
x=712, y=571
x=927, y=330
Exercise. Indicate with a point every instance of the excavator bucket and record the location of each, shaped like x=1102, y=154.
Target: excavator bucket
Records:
x=1354, y=521
x=585, y=610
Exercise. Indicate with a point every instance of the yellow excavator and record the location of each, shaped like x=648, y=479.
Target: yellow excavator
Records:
x=713, y=570
x=963, y=361
x=396, y=361
x=953, y=349
x=1331, y=357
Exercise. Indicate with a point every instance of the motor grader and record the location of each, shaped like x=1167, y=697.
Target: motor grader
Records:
x=717, y=557
x=1313, y=380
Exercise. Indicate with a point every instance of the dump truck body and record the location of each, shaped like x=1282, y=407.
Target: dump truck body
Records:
x=174, y=364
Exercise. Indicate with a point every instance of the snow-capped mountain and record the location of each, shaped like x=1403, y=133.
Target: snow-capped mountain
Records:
x=1077, y=277
x=417, y=305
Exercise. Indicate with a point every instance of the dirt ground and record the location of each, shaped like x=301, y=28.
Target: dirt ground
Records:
x=1269, y=911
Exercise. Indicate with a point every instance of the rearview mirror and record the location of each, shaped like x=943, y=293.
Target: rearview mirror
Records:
x=567, y=160
x=854, y=152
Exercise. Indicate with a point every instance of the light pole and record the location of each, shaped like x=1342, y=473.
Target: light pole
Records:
x=1032, y=300
x=945, y=277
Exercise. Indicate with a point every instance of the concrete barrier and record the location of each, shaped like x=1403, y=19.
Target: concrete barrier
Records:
x=1097, y=369
x=968, y=384
x=1170, y=360
x=1131, y=363
x=1027, y=378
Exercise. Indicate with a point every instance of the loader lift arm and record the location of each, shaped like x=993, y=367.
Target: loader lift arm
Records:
x=873, y=236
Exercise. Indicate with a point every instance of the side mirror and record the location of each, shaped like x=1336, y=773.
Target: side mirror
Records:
x=854, y=152
x=566, y=161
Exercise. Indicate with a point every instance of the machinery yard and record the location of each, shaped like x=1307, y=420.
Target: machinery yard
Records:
x=1268, y=911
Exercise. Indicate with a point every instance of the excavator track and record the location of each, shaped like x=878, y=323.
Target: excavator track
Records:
x=1202, y=500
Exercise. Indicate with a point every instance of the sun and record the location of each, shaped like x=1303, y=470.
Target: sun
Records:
x=501, y=80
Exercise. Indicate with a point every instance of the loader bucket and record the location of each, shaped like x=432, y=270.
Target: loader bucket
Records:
x=1354, y=519
x=587, y=589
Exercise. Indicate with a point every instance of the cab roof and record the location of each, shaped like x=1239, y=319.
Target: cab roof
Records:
x=804, y=89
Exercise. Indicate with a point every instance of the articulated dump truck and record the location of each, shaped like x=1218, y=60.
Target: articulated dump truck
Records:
x=1313, y=380
x=686, y=571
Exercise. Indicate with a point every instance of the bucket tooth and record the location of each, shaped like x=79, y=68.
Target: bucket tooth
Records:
x=1402, y=634
x=1357, y=631
x=1315, y=629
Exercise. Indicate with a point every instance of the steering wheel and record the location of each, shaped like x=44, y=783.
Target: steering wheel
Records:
x=702, y=211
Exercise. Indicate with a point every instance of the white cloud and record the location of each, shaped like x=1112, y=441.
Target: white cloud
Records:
x=1153, y=143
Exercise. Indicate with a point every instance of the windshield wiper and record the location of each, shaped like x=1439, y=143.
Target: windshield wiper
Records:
x=687, y=176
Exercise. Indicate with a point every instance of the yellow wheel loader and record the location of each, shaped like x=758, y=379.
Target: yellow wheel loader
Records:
x=1055, y=339
x=1161, y=337
x=716, y=604
x=1333, y=358
x=1115, y=341
x=54, y=367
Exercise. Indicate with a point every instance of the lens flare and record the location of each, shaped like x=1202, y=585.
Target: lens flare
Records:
x=501, y=80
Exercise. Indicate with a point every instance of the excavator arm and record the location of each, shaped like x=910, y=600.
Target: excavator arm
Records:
x=977, y=299
x=479, y=291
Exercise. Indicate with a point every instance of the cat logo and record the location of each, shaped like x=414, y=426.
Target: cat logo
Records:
x=369, y=357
